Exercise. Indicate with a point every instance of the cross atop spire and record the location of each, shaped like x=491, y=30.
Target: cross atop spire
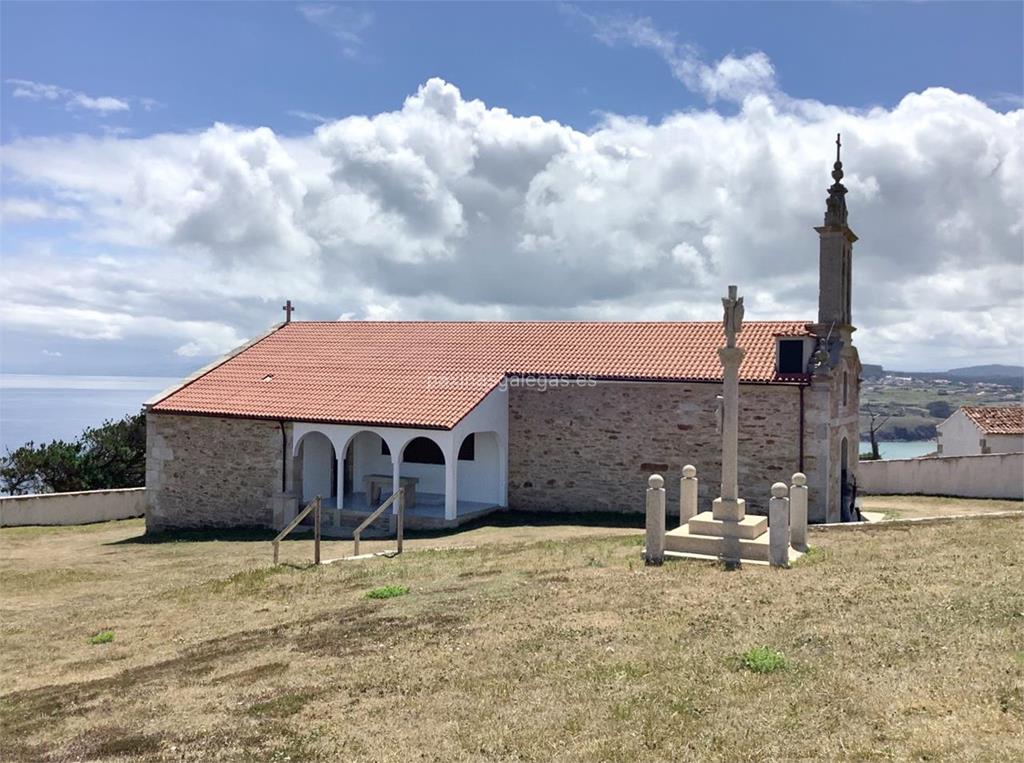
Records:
x=835, y=209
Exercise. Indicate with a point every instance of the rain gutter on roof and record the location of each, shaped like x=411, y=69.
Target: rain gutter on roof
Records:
x=209, y=367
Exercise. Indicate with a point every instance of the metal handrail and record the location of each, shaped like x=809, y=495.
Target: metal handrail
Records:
x=399, y=495
x=311, y=506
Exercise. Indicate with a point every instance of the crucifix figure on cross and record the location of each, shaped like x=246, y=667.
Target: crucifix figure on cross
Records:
x=288, y=310
x=732, y=318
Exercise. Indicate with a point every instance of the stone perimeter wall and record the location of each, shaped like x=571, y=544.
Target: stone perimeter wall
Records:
x=204, y=471
x=593, y=448
x=996, y=475
x=79, y=508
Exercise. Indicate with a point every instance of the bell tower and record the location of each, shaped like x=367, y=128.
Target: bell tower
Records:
x=833, y=398
x=835, y=259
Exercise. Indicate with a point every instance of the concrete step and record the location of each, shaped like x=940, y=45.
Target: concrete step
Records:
x=682, y=541
x=750, y=527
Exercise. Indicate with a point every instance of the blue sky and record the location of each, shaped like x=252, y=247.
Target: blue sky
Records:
x=251, y=64
x=173, y=171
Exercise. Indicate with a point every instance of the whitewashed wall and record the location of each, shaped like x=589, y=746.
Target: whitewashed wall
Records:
x=480, y=479
x=72, y=508
x=959, y=436
x=996, y=475
x=1005, y=443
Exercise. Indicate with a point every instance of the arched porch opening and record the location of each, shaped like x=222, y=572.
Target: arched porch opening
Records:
x=367, y=462
x=315, y=469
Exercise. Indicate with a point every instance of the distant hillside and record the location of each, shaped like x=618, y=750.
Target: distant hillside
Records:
x=909, y=404
x=992, y=371
x=1012, y=376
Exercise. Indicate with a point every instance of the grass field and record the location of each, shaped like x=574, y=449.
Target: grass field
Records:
x=921, y=506
x=894, y=643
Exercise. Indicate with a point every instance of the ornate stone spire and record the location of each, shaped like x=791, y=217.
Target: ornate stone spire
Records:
x=835, y=206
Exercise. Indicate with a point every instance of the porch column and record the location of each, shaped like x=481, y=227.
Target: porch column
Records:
x=396, y=462
x=341, y=481
x=451, y=484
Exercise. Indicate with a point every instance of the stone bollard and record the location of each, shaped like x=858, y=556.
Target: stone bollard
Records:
x=798, y=512
x=687, y=495
x=778, y=526
x=655, y=551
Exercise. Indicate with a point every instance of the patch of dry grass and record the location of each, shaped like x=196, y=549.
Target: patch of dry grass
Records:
x=900, y=643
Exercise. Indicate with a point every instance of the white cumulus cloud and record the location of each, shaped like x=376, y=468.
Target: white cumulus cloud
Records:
x=452, y=208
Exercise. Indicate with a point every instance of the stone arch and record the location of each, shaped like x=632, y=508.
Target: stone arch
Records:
x=315, y=464
x=366, y=451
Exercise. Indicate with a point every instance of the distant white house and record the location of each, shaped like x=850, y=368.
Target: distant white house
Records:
x=976, y=430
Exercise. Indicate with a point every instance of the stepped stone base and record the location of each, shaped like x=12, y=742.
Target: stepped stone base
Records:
x=705, y=537
x=749, y=527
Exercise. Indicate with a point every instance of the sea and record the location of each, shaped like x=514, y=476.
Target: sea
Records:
x=43, y=408
x=901, y=449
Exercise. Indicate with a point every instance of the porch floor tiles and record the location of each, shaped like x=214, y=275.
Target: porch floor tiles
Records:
x=428, y=513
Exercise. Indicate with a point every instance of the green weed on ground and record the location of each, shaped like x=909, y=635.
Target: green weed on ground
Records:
x=762, y=659
x=103, y=637
x=387, y=592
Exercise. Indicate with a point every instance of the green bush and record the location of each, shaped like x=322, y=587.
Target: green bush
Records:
x=103, y=637
x=109, y=456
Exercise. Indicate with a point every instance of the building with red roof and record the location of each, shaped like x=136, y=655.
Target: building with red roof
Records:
x=472, y=417
x=976, y=430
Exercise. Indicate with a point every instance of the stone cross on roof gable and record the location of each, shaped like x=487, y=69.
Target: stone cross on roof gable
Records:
x=288, y=310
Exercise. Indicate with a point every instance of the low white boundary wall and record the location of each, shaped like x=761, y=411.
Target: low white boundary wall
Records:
x=72, y=508
x=996, y=475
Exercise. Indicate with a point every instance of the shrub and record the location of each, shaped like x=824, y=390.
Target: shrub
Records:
x=762, y=659
x=103, y=637
x=387, y=592
x=112, y=455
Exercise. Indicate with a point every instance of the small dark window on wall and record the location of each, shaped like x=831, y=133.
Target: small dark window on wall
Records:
x=791, y=356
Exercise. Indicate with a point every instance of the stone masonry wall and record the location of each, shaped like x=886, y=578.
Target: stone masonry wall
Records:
x=203, y=471
x=593, y=448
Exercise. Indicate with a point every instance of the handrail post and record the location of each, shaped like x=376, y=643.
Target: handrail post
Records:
x=316, y=532
x=314, y=504
x=401, y=516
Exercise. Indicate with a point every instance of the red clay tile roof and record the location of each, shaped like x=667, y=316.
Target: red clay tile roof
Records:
x=431, y=374
x=1007, y=419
